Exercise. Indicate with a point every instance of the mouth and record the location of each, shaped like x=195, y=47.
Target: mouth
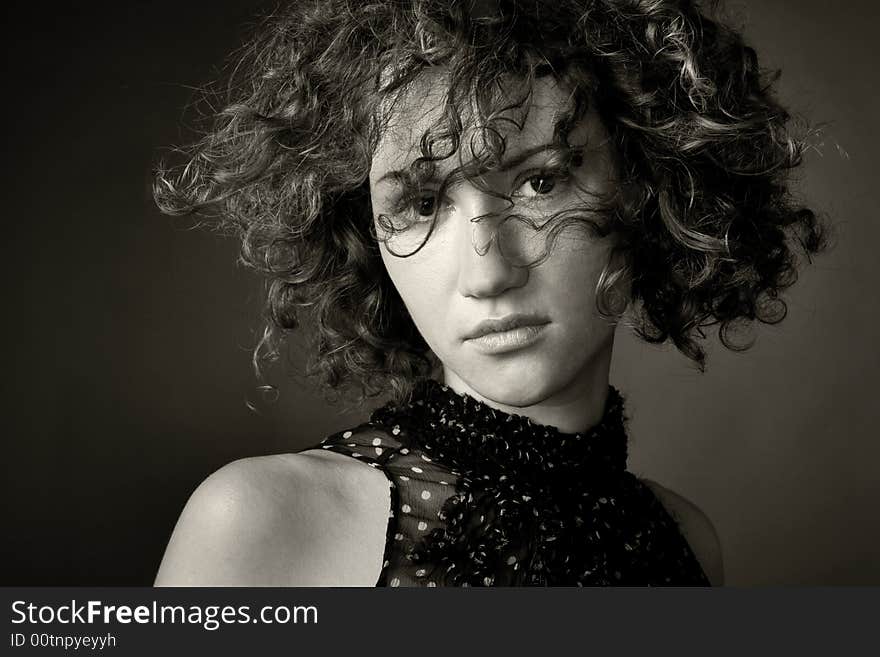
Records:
x=508, y=333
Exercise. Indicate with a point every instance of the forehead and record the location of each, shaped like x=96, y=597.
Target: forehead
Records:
x=421, y=106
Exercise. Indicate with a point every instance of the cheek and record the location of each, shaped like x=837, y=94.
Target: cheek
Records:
x=421, y=289
x=569, y=279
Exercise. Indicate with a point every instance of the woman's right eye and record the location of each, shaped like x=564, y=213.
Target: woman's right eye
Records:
x=425, y=205
x=414, y=209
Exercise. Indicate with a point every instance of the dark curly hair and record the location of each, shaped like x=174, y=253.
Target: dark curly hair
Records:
x=706, y=229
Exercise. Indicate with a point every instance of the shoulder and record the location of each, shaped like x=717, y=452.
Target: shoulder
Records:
x=696, y=528
x=313, y=518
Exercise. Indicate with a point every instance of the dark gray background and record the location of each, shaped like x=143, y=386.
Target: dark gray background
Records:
x=127, y=338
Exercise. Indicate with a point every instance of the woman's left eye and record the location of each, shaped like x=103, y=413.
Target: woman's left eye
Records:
x=538, y=185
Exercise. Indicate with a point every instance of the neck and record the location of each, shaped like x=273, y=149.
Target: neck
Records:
x=576, y=407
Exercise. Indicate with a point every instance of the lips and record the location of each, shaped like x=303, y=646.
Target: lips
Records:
x=506, y=323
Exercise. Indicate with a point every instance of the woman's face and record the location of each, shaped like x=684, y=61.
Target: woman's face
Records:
x=556, y=347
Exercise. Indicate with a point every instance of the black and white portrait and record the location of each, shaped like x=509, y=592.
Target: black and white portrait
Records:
x=429, y=293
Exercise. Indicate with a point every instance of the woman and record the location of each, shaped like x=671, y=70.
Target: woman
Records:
x=476, y=193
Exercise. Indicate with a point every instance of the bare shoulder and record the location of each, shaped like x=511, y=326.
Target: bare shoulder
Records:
x=697, y=529
x=309, y=519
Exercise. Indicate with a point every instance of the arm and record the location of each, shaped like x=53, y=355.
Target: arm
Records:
x=696, y=528
x=284, y=520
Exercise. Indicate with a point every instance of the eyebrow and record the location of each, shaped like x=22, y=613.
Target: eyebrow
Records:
x=410, y=177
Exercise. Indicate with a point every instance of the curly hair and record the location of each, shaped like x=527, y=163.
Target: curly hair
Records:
x=707, y=230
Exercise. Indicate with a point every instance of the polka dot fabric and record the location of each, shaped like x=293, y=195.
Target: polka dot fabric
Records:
x=484, y=498
x=419, y=487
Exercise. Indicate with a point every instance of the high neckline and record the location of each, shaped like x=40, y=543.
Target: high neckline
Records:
x=477, y=439
x=481, y=497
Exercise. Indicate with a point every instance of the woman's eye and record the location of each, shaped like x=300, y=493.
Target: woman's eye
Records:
x=542, y=184
x=425, y=205
x=539, y=185
x=415, y=207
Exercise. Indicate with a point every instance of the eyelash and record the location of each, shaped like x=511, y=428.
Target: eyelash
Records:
x=558, y=175
x=408, y=202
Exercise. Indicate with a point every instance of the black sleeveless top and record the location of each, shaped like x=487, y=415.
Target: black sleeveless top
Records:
x=480, y=497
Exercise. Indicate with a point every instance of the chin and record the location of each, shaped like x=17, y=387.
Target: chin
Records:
x=518, y=385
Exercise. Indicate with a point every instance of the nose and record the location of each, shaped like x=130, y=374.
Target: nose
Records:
x=483, y=271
